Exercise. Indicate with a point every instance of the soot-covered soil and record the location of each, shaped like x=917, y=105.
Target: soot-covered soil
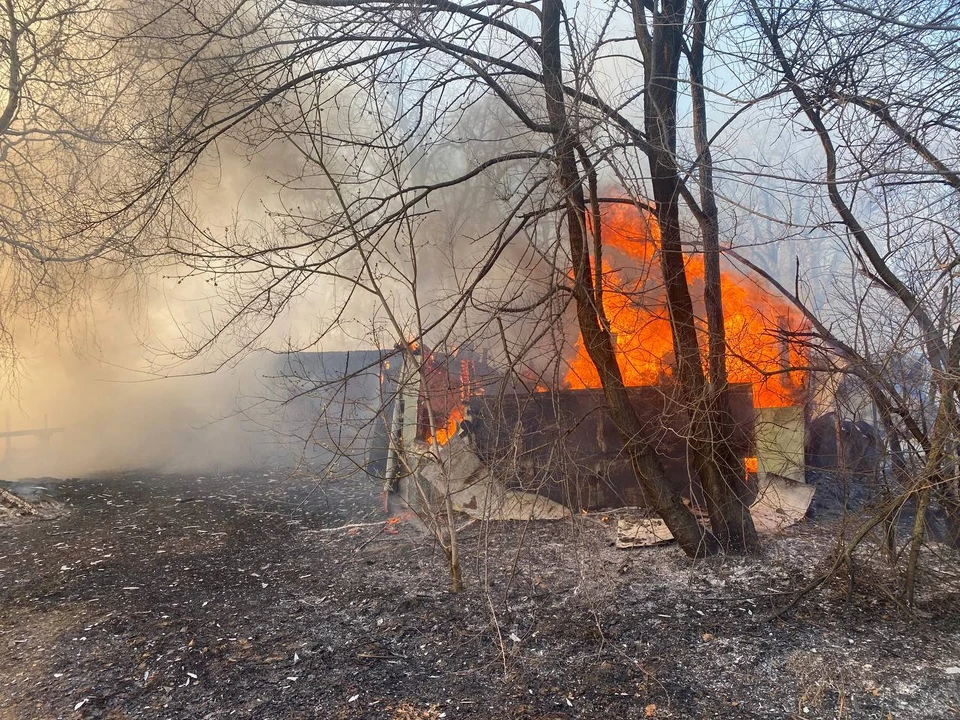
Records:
x=167, y=596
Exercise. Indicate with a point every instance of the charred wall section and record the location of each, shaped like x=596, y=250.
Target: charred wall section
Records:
x=333, y=405
x=564, y=444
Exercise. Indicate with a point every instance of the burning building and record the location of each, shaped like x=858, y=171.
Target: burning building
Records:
x=560, y=443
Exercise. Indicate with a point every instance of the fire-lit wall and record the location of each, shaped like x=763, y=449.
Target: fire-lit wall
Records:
x=779, y=442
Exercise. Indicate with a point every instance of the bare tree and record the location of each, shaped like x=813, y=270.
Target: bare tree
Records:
x=73, y=207
x=877, y=84
x=660, y=33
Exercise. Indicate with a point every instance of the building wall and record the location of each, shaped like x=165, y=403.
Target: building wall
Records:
x=780, y=438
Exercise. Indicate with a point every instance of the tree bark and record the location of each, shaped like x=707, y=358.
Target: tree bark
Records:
x=719, y=469
x=693, y=538
x=734, y=513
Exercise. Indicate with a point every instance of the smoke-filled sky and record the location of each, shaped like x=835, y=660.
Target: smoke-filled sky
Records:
x=110, y=370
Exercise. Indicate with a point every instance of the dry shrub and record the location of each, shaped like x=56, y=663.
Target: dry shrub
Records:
x=819, y=679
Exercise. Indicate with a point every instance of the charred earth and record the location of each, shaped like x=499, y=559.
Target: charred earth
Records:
x=260, y=595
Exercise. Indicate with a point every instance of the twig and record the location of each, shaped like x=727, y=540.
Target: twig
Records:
x=374, y=656
x=348, y=527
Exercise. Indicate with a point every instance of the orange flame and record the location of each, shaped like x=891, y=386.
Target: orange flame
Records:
x=755, y=320
x=445, y=433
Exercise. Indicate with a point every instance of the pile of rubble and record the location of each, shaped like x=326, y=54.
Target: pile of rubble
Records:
x=455, y=470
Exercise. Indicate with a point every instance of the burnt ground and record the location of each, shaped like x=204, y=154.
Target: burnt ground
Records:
x=168, y=596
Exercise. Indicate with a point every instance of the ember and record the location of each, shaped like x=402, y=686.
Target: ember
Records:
x=390, y=526
x=757, y=323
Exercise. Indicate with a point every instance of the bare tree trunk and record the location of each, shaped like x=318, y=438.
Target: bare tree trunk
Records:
x=694, y=539
x=717, y=465
x=732, y=503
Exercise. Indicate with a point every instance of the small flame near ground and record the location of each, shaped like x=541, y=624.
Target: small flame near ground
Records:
x=445, y=433
x=758, y=323
x=390, y=526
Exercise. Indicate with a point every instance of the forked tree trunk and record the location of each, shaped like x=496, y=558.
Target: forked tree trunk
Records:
x=693, y=538
x=739, y=531
x=719, y=468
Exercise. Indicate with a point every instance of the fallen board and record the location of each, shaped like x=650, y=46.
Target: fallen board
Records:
x=780, y=503
x=474, y=490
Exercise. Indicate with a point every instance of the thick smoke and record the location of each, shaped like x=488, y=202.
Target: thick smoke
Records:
x=117, y=368
x=121, y=404
x=120, y=371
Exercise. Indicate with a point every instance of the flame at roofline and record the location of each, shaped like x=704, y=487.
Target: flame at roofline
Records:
x=759, y=324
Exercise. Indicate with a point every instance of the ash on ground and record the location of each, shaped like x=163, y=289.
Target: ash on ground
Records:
x=175, y=596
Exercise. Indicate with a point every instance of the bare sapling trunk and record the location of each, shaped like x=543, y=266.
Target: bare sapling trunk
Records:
x=451, y=545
